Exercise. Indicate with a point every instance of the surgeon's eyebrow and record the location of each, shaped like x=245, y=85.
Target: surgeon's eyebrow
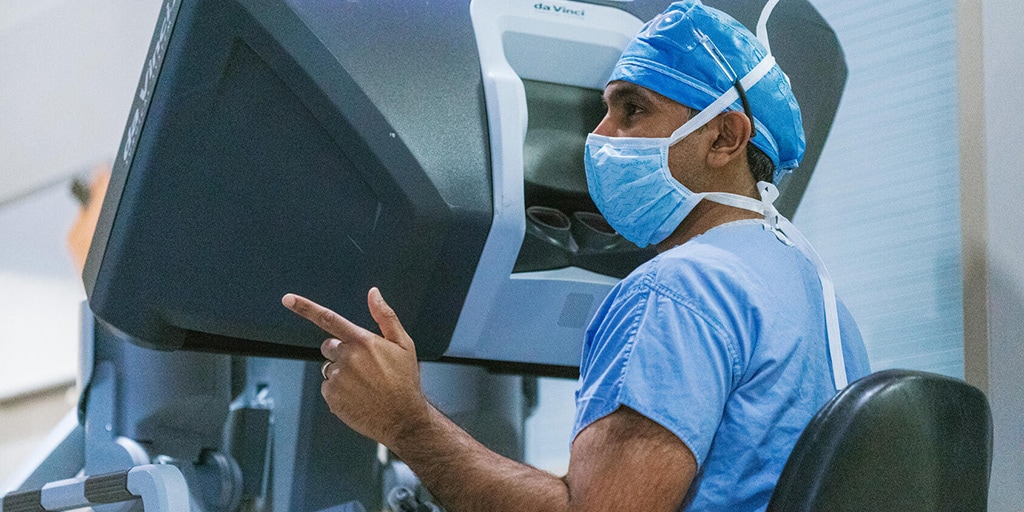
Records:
x=624, y=93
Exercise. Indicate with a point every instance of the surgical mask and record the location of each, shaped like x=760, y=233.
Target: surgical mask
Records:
x=630, y=181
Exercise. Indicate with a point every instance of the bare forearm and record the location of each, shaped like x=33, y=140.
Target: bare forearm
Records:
x=623, y=461
x=466, y=476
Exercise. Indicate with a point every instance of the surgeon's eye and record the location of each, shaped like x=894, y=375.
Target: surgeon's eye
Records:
x=632, y=113
x=630, y=109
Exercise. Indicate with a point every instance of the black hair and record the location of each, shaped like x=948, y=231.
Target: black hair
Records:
x=761, y=167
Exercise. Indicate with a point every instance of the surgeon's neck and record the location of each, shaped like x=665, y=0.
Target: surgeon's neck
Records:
x=705, y=216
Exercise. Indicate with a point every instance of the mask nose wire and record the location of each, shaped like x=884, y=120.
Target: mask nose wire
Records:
x=723, y=101
x=746, y=106
x=741, y=85
x=726, y=68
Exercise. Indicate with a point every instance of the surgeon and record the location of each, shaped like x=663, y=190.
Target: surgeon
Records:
x=703, y=366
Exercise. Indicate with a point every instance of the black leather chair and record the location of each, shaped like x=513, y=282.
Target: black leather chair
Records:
x=896, y=440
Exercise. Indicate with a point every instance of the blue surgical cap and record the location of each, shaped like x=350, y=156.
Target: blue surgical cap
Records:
x=693, y=54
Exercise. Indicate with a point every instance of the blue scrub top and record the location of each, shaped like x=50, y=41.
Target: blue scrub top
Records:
x=722, y=341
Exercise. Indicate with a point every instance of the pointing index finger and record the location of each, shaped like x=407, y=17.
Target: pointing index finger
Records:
x=326, y=319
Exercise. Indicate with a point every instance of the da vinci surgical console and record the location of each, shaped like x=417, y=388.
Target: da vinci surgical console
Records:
x=430, y=148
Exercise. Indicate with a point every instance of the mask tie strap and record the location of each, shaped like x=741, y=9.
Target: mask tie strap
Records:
x=762, y=24
x=778, y=223
x=828, y=291
x=768, y=196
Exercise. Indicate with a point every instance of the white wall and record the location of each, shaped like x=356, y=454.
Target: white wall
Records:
x=40, y=293
x=882, y=207
x=991, y=57
x=68, y=70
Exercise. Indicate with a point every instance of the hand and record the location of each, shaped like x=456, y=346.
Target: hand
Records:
x=373, y=383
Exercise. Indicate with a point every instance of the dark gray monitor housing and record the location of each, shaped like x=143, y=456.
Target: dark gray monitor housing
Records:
x=432, y=149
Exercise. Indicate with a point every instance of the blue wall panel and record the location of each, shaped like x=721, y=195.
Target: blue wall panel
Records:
x=883, y=207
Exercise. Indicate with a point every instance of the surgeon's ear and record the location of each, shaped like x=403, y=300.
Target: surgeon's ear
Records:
x=732, y=135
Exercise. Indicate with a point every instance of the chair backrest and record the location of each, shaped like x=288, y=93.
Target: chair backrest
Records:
x=896, y=440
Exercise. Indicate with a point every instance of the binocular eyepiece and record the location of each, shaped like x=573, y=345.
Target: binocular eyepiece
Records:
x=555, y=240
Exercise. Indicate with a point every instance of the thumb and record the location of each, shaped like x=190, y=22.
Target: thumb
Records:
x=390, y=327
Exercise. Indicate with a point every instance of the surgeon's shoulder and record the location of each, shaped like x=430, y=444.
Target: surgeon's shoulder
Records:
x=707, y=276
x=700, y=260
x=718, y=260
x=638, y=281
x=669, y=271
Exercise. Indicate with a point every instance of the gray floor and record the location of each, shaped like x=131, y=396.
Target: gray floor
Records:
x=25, y=423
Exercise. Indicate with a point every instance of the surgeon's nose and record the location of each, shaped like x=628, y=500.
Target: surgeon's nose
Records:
x=606, y=127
